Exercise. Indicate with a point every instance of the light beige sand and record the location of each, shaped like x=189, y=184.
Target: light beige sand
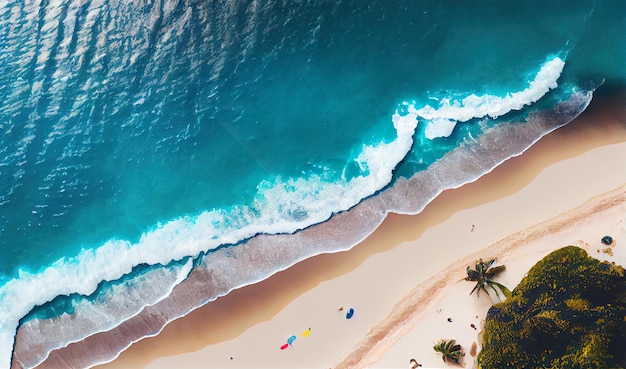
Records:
x=558, y=174
x=421, y=317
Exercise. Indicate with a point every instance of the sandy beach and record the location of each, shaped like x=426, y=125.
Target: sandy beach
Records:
x=403, y=282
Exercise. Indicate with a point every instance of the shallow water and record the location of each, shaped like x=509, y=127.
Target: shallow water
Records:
x=141, y=139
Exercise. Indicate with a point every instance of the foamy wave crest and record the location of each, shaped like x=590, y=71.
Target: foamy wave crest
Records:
x=440, y=121
x=281, y=206
x=225, y=269
x=111, y=307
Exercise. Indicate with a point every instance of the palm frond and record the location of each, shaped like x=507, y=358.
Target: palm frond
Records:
x=494, y=289
x=483, y=275
x=507, y=293
x=475, y=287
x=492, y=272
x=449, y=350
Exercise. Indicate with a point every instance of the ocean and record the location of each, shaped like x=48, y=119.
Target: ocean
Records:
x=149, y=149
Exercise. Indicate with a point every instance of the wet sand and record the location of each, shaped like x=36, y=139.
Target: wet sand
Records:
x=246, y=328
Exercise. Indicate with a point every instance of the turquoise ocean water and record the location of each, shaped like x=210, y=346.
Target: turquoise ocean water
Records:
x=137, y=137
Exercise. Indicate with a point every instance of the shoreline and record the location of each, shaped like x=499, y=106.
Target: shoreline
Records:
x=428, y=308
x=242, y=312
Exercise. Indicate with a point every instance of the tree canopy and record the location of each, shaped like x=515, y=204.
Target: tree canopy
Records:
x=568, y=312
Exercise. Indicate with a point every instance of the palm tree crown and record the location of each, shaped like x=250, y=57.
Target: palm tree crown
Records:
x=483, y=276
x=449, y=350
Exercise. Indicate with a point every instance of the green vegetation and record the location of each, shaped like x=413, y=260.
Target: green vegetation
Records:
x=449, y=350
x=483, y=276
x=569, y=312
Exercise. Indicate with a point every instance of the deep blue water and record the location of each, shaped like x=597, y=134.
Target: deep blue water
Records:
x=149, y=131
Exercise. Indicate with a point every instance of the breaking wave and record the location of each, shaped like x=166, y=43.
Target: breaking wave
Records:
x=267, y=228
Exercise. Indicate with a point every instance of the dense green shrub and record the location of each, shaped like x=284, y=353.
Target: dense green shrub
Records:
x=568, y=312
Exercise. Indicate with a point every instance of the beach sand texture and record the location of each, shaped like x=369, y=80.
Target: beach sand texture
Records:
x=403, y=280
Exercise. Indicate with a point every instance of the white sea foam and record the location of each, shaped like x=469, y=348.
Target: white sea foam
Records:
x=123, y=301
x=412, y=199
x=442, y=119
x=280, y=206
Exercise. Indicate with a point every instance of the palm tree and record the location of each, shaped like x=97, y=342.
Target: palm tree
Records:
x=449, y=350
x=483, y=276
